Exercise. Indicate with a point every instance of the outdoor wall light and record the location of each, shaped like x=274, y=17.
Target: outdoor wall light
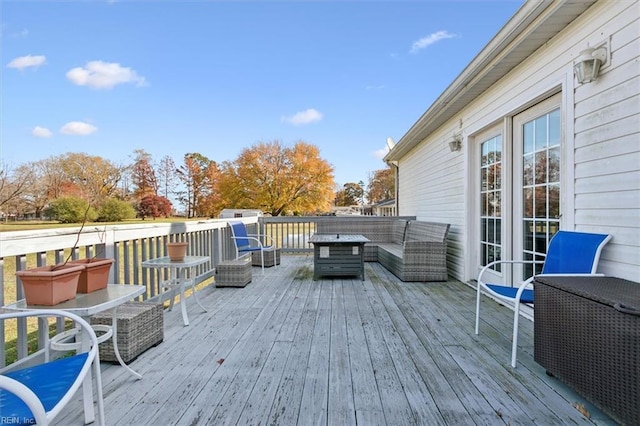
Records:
x=456, y=144
x=587, y=66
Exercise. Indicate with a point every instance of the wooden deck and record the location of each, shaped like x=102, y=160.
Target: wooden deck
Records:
x=287, y=350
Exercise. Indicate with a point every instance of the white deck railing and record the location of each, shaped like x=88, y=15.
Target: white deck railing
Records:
x=129, y=246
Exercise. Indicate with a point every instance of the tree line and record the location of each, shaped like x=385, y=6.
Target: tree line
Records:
x=271, y=177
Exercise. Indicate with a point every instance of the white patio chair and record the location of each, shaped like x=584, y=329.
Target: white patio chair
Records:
x=249, y=243
x=36, y=394
x=569, y=253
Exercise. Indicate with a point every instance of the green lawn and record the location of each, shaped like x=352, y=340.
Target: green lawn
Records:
x=25, y=225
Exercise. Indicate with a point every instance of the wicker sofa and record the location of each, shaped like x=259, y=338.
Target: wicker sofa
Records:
x=412, y=250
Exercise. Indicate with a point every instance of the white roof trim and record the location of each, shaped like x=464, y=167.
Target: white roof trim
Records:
x=533, y=25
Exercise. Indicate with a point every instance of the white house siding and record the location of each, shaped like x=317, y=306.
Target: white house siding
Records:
x=601, y=142
x=607, y=142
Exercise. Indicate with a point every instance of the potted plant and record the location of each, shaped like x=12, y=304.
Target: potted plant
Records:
x=177, y=250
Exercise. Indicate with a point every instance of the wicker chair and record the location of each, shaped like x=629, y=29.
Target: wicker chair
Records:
x=569, y=253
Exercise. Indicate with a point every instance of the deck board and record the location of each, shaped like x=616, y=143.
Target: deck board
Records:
x=289, y=350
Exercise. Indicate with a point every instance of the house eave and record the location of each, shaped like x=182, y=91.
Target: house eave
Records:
x=530, y=28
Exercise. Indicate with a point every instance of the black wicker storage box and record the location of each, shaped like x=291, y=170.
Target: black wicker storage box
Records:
x=587, y=334
x=140, y=326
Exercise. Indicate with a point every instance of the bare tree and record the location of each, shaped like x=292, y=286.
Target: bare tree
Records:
x=166, y=177
x=12, y=187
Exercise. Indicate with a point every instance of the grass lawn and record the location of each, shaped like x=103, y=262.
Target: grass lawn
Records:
x=26, y=225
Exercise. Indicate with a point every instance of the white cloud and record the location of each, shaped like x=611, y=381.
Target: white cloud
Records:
x=41, y=132
x=20, y=34
x=378, y=87
x=430, y=39
x=78, y=128
x=27, y=61
x=381, y=152
x=303, y=117
x=104, y=75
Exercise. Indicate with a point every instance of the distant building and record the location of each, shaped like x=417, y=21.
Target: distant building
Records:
x=231, y=213
x=384, y=208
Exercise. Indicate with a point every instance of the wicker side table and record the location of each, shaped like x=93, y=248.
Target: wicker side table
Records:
x=234, y=273
x=140, y=326
x=271, y=258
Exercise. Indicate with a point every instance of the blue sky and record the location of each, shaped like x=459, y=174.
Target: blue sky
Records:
x=213, y=77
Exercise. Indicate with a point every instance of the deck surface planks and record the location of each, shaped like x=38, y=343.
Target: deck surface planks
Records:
x=289, y=350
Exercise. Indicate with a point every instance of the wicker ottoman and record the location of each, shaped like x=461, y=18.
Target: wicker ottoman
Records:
x=271, y=258
x=234, y=273
x=587, y=334
x=140, y=326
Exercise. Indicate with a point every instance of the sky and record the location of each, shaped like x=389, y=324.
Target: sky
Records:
x=107, y=78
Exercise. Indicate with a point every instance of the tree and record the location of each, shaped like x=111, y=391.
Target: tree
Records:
x=196, y=173
x=153, y=206
x=71, y=210
x=350, y=194
x=114, y=210
x=166, y=177
x=275, y=179
x=13, y=186
x=381, y=187
x=90, y=177
x=143, y=175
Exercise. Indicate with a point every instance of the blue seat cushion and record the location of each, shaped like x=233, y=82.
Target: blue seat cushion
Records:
x=253, y=248
x=510, y=292
x=49, y=381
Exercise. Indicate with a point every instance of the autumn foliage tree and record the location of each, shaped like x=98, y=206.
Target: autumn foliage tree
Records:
x=153, y=206
x=200, y=178
x=277, y=179
x=350, y=194
x=381, y=185
x=143, y=175
x=92, y=178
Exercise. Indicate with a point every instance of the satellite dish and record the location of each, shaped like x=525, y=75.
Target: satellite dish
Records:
x=390, y=143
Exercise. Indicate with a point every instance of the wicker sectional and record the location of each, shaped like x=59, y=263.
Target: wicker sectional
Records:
x=412, y=250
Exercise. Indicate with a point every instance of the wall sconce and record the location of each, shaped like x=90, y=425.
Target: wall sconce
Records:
x=587, y=66
x=456, y=144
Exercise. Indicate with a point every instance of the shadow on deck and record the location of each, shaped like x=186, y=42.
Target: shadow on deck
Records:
x=288, y=350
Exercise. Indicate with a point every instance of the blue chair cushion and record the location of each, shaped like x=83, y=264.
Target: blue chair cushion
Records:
x=510, y=292
x=49, y=381
x=253, y=248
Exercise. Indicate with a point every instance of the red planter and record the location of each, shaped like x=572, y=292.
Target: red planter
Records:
x=95, y=274
x=50, y=285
